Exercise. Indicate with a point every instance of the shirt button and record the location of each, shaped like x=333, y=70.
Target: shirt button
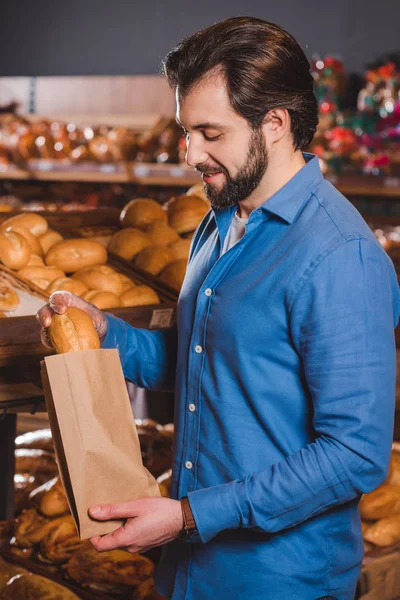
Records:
x=192, y=407
x=259, y=211
x=198, y=349
x=188, y=464
x=208, y=292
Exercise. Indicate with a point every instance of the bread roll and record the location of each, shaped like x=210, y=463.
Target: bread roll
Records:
x=140, y=295
x=161, y=234
x=41, y=276
x=35, y=261
x=14, y=250
x=49, y=239
x=75, y=254
x=384, y=532
x=180, y=250
x=36, y=224
x=142, y=211
x=101, y=299
x=33, y=242
x=73, y=331
x=198, y=190
x=28, y=586
x=50, y=498
x=126, y=282
x=382, y=502
x=9, y=299
x=186, y=212
x=174, y=274
x=153, y=259
x=102, y=278
x=68, y=285
x=394, y=470
x=129, y=242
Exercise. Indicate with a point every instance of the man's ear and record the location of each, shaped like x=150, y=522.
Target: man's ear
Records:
x=276, y=124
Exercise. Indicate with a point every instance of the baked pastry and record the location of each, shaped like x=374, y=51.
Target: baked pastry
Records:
x=24, y=483
x=101, y=299
x=33, y=461
x=30, y=527
x=72, y=255
x=115, y=571
x=40, y=439
x=127, y=283
x=382, y=502
x=100, y=277
x=174, y=274
x=161, y=234
x=33, y=242
x=129, y=242
x=67, y=284
x=384, y=532
x=49, y=239
x=50, y=498
x=36, y=224
x=14, y=250
x=7, y=572
x=140, y=295
x=142, y=211
x=153, y=259
x=180, y=250
x=9, y=299
x=73, y=331
x=61, y=542
x=28, y=586
x=41, y=276
x=186, y=212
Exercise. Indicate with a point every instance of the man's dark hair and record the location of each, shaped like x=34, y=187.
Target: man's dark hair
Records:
x=264, y=69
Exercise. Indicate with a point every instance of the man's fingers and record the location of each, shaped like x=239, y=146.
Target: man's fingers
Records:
x=120, y=538
x=61, y=301
x=106, y=512
x=44, y=315
x=44, y=336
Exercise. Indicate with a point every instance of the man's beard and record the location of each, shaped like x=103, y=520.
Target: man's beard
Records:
x=239, y=188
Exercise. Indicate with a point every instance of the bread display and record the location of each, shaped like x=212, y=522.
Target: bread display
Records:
x=15, y=251
x=153, y=259
x=140, y=212
x=128, y=242
x=28, y=586
x=186, y=212
x=174, y=274
x=161, y=234
x=140, y=295
x=101, y=277
x=9, y=299
x=49, y=239
x=103, y=300
x=75, y=254
x=36, y=224
x=67, y=284
x=41, y=276
x=73, y=331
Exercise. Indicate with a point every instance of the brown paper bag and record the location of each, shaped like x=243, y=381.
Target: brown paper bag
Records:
x=94, y=433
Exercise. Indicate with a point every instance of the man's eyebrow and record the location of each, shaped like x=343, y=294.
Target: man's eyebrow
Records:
x=202, y=125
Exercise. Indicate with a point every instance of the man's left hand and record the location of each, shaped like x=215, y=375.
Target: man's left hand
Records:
x=150, y=522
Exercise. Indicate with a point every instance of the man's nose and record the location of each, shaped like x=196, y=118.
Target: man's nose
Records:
x=195, y=153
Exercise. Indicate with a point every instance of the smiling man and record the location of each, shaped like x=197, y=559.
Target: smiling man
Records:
x=283, y=358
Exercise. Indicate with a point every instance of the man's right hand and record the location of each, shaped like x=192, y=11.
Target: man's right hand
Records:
x=59, y=302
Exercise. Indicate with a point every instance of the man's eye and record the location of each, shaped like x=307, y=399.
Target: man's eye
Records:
x=211, y=139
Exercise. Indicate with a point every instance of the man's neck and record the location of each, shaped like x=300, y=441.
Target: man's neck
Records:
x=281, y=168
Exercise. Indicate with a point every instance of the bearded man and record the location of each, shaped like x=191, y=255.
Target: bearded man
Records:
x=283, y=357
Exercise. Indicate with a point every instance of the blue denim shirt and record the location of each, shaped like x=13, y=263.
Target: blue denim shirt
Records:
x=283, y=364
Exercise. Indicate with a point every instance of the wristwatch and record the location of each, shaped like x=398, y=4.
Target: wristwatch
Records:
x=189, y=524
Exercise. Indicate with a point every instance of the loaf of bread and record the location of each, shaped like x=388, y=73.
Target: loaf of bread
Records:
x=142, y=211
x=67, y=284
x=100, y=277
x=50, y=498
x=384, y=532
x=382, y=502
x=394, y=469
x=140, y=295
x=33, y=241
x=41, y=276
x=161, y=234
x=174, y=274
x=9, y=299
x=127, y=283
x=153, y=259
x=180, y=250
x=129, y=242
x=35, y=261
x=36, y=587
x=75, y=254
x=49, y=239
x=36, y=224
x=15, y=251
x=101, y=299
x=73, y=331
x=198, y=190
x=186, y=212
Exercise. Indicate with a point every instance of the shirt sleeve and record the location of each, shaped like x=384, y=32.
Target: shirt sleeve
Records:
x=148, y=358
x=342, y=325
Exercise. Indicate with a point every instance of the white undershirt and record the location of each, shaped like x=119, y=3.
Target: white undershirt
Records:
x=235, y=233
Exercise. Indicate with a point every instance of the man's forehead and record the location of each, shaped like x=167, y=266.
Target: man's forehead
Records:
x=206, y=103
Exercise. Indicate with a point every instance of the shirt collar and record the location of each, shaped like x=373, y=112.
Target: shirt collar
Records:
x=286, y=202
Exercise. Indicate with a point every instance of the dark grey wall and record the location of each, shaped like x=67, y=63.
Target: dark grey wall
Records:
x=124, y=37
